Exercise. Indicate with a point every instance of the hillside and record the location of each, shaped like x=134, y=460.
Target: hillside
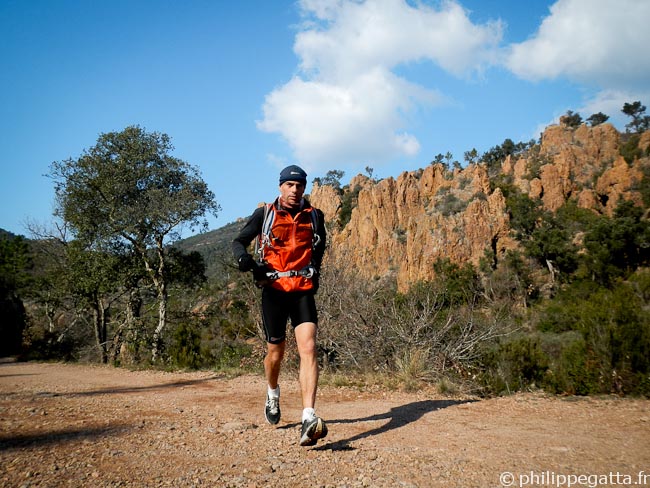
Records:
x=214, y=245
x=5, y=234
x=401, y=226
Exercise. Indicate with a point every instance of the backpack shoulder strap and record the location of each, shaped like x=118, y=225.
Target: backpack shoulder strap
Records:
x=314, y=227
x=269, y=217
x=264, y=237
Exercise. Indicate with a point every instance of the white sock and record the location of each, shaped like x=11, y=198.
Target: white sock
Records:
x=274, y=393
x=308, y=414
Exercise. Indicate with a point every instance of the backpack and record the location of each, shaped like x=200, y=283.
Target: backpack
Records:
x=264, y=239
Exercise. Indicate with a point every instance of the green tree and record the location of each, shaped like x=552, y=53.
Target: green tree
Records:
x=91, y=278
x=187, y=269
x=524, y=212
x=551, y=246
x=129, y=190
x=617, y=247
x=448, y=157
x=333, y=178
x=15, y=261
x=439, y=159
x=597, y=119
x=545, y=237
x=471, y=156
x=640, y=122
x=497, y=155
x=571, y=119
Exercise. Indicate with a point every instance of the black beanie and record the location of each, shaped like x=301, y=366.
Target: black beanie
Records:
x=293, y=173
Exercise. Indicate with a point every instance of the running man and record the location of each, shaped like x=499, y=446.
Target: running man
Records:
x=291, y=243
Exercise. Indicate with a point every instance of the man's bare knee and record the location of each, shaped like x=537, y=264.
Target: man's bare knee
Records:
x=275, y=352
x=306, y=339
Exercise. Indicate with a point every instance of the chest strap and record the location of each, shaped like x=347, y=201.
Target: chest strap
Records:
x=306, y=272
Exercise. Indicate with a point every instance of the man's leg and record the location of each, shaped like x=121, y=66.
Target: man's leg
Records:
x=306, y=342
x=274, y=320
x=313, y=427
x=273, y=361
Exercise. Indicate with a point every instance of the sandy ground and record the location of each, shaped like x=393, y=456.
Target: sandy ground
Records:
x=77, y=425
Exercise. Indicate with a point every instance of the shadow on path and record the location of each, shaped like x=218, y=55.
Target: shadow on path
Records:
x=397, y=417
x=133, y=389
x=116, y=389
x=60, y=436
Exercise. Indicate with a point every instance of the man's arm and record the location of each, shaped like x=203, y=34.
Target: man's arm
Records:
x=249, y=232
x=319, y=251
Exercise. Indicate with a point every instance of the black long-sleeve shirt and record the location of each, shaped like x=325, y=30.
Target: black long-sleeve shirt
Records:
x=253, y=228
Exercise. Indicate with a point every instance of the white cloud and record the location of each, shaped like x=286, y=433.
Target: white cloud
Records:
x=325, y=122
x=602, y=43
x=346, y=105
x=360, y=36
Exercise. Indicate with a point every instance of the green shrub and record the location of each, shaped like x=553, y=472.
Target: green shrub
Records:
x=230, y=355
x=569, y=308
x=516, y=364
x=611, y=352
x=524, y=212
x=616, y=247
x=42, y=345
x=572, y=369
x=630, y=149
x=534, y=168
x=551, y=243
x=349, y=201
x=185, y=349
x=459, y=284
x=450, y=204
x=643, y=186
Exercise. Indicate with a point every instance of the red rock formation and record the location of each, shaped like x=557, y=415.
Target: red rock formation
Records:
x=402, y=226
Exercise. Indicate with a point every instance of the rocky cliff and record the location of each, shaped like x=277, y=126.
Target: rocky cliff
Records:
x=402, y=226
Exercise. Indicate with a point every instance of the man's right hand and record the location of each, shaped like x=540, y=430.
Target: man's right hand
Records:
x=259, y=273
x=246, y=263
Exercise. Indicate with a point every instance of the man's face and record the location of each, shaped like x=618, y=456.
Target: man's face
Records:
x=291, y=193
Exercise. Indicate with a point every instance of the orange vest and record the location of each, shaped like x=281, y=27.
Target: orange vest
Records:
x=290, y=248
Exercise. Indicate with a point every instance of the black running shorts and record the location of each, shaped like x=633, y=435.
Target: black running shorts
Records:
x=279, y=306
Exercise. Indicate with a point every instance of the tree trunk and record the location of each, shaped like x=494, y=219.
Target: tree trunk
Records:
x=130, y=348
x=157, y=274
x=49, y=313
x=160, y=281
x=99, y=315
x=162, y=321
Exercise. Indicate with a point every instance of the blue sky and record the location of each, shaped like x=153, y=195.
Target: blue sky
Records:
x=245, y=88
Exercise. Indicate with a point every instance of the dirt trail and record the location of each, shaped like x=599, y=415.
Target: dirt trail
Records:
x=72, y=425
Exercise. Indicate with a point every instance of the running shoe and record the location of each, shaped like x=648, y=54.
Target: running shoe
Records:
x=272, y=410
x=312, y=430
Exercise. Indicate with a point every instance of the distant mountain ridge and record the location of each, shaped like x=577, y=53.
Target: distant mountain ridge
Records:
x=213, y=245
x=5, y=234
x=403, y=226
